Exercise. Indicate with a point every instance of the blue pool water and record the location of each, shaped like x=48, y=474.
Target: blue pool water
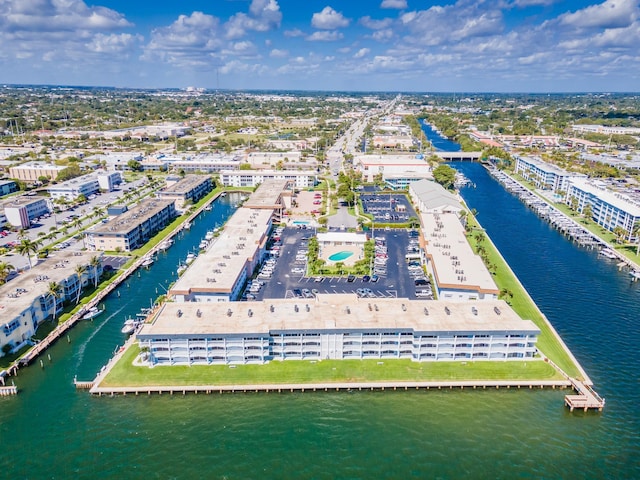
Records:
x=300, y=222
x=337, y=257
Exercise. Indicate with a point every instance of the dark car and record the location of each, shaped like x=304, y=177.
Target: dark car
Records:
x=366, y=278
x=297, y=292
x=421, y=281
x=351, y=278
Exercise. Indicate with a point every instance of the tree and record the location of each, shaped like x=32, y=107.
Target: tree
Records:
x=26, y=247
x=587, y=211
x=95, y=263
x=54, y=289
x=5, y=270
x=134, y=165
x=444, y=175
x=635, y=231
x=79, y=271
x=620, y=233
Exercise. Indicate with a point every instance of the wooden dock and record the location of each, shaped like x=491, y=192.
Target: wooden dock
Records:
x=586, y=398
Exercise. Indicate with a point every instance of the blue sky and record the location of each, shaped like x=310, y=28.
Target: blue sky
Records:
x=389, y=45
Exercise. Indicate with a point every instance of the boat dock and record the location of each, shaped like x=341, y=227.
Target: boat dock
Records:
x=328, y=387
x=563, y=223
x=585, y=398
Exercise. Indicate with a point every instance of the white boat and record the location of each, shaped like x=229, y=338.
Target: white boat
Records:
x=166, y=244
x=223, y=194
x=203, y=244
x=209, y=235
x=208, y=207
x=147, y=262
x=130, y=326
x=608, y=253
x=187, y=225
x=92, y=313
x=190, y=258
x=181, y=268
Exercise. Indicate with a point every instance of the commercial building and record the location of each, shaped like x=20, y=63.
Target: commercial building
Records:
x=191, y=188
x=398, y=171
x=429, y=196
x=544, y=175
x=609, y=209
x=85, y=185
x=605, y=130
x=336, y=327
x=7, y=187
x=21, y=210
x=209, y=163
x=30, y=172
x=25, y=301
x=133, y=228
x=251, y=178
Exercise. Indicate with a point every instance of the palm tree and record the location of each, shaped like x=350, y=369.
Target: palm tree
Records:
x=95, y=263
x=22, y=233
x=480, y=236
x=26, y=247
x=635, y=231
x=55, y=290
x=5, y=270
x=79, y=270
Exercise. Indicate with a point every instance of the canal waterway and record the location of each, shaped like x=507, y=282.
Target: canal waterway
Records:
x=438, y=141
x=50, y=430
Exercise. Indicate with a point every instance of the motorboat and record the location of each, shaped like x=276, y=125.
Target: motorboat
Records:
x=147, y=262
x=190, y=258
x=223, y=194
x=92, y=313
x=187, y=225
x=182, y=268
x=209, y=236
x=208, y=208
x=203, y=244
x=608, y=253
x=166, y=244
x=130, y=325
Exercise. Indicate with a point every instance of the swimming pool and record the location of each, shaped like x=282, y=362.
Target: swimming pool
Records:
x=338, y=256
x=300, y=222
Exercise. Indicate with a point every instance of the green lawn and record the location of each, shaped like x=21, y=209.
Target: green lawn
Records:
x=525, y=307
x=325, y=371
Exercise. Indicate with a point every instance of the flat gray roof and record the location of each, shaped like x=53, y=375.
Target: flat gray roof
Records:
x=185, y=185
x=22, y=200
x=130, y=219
x=335, y=312
x=267, y=194
x=247, y=228
x=451, y=254
x=57, y=267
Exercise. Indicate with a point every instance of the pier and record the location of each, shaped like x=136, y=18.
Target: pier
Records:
x=585, y=398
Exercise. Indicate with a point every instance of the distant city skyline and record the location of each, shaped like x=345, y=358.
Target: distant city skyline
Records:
x=382, y=45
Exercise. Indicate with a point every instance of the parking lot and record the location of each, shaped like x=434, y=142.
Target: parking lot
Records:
x=284, y=274
x=388, y=208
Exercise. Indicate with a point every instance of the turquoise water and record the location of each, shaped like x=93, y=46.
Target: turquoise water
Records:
x=339, y=256
x=50, y=430
x=300, y=222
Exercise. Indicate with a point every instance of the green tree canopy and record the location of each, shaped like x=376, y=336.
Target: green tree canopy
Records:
x=444, y=175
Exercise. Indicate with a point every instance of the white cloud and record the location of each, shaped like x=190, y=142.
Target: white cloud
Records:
x=277, y=53
x=325, y=36
x=451, y=23
x=373, y=24
x=398, y=4
x=533, y=3
x=361, y=53
x=114, y=43
x=610, y=14
x=383, y=35
x=329, y=19
x=296, y=32
x=264, y=15
x=55, y=15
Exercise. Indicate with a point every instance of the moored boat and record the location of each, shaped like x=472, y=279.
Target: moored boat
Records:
x=92, y=313
x=166, y=244
x=147, y=262
x=608, y=253
x=190, y=258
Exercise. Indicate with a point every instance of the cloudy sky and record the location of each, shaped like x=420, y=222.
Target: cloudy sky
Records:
x=397, y=45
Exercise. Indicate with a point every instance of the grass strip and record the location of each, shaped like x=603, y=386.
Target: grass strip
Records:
x=125, y=374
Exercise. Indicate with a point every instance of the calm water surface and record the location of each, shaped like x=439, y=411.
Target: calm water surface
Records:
x=52, y=431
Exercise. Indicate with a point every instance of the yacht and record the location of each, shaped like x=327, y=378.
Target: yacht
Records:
x=209, y=236
x=130, y=326
x=203, y=244
x=166, y=244
x=92, y=313
x=190, y=258
x=187, y=225
x=181, y=268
